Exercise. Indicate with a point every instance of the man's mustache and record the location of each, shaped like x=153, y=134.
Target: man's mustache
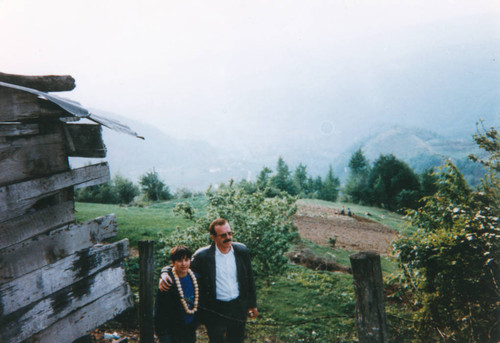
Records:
x=227, y=240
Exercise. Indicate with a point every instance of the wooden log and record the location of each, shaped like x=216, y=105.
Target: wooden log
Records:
x=25, y=158
x=36, y=317
x=41, y=283
x=9, y=129
x=44, y=83
x=24, y=227
x=88, y=318
x=17, y=105
x=44, y=249
x=369, y=290
x=17, y=199
x=146, y=287
x=85, y=140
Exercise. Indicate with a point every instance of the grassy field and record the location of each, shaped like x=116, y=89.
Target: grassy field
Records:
x=300, y=306
x=138, y=223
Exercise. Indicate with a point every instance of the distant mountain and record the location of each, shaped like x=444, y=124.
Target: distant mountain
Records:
x=180, y=163
x=197, y=164
x=434, y=81
x=407, y=143
x=420, y=148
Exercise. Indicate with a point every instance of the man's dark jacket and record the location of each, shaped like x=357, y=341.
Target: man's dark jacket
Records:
x=203, y=264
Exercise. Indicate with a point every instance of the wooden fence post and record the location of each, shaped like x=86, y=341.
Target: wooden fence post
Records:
x=146, y=297
x=369, y=289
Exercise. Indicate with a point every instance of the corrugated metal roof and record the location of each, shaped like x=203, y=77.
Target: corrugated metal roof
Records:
x=76, y=109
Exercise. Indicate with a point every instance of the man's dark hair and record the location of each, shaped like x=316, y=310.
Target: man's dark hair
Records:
x=216, y=222
x=180, y=252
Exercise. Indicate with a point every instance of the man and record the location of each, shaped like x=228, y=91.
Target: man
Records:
x=226, y=284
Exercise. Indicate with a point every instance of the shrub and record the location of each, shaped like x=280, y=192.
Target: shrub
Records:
x=264, y=225
x=451, y=263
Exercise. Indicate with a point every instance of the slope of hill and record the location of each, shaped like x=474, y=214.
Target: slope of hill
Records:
x=180, y=163
x=420, y=148
x=197, y=164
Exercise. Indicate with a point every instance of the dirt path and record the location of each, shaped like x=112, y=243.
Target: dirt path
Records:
x=319, y=224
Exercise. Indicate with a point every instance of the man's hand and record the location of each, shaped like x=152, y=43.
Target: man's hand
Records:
x=253, y=312
x=165, y=282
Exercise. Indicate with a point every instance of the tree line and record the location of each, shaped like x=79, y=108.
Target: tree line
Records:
x=121, y=190
x=296, y=183
x=387, y=183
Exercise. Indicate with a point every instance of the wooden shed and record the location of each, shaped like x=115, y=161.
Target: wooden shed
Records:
x=57, y=280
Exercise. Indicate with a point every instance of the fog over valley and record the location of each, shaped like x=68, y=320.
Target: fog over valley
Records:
x=221, y=90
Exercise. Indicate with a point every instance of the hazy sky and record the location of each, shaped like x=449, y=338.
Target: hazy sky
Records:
x=210, y=70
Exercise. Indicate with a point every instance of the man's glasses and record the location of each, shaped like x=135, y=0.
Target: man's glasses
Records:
x=225, y=234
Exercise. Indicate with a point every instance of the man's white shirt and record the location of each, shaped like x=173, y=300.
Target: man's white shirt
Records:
x=226, y=281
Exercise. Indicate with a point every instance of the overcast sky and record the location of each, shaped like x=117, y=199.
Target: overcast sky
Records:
x=202, y=69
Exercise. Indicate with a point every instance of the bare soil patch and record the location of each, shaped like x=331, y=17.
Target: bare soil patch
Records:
x=318, y=224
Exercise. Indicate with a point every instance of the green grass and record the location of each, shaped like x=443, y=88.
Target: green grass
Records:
x=389, y=264
x=300, y=306
x=304, y=306
x=140, y=223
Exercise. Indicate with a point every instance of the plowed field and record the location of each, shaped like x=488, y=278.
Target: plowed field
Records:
x=318, y=224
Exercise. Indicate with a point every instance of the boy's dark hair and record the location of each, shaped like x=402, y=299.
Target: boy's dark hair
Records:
x=180, y=252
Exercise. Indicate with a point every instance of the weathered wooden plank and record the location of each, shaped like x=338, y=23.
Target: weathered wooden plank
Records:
x=25, y=158
x=8, y=129
x=85, y=140
x=17, y=105
x=88, y=318
x=36, y=317
x=24, y=227
x=44, y=83
x=44, y=249
x=41, y=283
x=17, y=199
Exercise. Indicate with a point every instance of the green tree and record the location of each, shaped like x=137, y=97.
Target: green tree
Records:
x=153, y=187
x=451, y=262
x=388, y=177
x=428, y=182
x=357, y=187
x=300, y=180
x=282, y=180
x=125, y=189
x=264, y=225
x=317, y=186
x=263, y=178
x=330, y=187
x=489, y=141
x=101, y=194
x=248, y=186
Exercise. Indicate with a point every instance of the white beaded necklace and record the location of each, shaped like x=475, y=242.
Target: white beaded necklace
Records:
x=181, y=293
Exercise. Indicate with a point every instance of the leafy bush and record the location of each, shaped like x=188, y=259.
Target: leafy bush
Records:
x=451, y=262
x=264, y=225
